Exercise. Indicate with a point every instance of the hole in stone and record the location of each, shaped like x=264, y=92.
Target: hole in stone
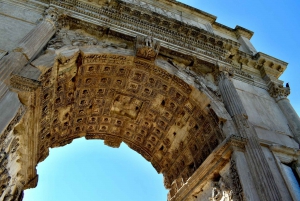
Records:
x=46, y=96
x=163, y=103
x=191, y=166
x=91, y=68
x=174, y=133
x=195, y=148
x=122, y=70
x=161, y=148
x=136, y=108
x=216, y=177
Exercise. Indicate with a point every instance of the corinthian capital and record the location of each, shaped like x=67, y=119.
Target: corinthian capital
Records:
x=53, y=16
x=278, y=91
x=224, y=72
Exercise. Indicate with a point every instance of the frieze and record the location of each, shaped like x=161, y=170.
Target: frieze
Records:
x=188, y=37
x=111, y=12
x=107, y=59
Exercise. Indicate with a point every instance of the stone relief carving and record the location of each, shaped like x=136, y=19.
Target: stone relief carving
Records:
x=221, y=191
x=4, y=176
x=149, y=133
x=237, y=188
x=147, y=47
x=126, y=106
x=65, y=37
x=277, y=90
x=127, y=99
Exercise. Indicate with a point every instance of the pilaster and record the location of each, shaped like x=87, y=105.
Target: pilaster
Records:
x=13, y=110
x=280, y=93
x=28, y=47
x=259, y=168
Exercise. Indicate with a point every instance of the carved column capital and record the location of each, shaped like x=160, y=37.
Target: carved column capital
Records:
x=55, y=17
x=277, y=91
x=222, y=73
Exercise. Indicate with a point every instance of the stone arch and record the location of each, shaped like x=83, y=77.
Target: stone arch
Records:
x=164, y=113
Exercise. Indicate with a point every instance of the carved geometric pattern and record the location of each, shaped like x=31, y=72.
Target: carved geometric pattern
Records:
x=235, y=181
x=125, y=99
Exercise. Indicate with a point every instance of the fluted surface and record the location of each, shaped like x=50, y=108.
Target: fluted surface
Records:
x=292, y=117
x=36, y=39
x=257, y=162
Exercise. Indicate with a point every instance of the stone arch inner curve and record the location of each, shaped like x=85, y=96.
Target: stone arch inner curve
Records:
x=118, y=97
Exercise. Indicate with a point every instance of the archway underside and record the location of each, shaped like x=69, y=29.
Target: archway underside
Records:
x=123, y=98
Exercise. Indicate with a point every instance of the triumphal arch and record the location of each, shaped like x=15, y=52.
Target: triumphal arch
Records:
x=192, y=96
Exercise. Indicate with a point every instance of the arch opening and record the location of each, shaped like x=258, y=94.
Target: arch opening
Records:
x=88, y=170
x=121, y=98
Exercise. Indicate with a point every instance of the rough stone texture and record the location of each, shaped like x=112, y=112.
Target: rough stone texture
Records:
x=155, y=77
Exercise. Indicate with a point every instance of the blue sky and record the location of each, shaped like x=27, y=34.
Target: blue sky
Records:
x=90, y=171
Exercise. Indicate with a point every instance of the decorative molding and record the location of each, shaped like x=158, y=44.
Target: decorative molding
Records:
x=237, y=188
x=23, y=83
x=277, y=90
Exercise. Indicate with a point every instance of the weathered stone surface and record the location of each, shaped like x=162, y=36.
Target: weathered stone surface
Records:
x=147, y=74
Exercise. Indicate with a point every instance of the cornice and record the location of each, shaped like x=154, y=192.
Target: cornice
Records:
x=133, y=20
x=216, y=161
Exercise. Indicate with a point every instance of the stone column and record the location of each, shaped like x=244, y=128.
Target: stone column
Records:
x=280, y=93
x=11, y=109
x=27, y=49
x=37, y=38
x=257, y=163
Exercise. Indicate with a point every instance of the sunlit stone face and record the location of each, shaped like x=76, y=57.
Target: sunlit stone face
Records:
x=126, y=99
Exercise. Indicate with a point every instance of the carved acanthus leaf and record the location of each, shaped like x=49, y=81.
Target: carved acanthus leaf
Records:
x=277, y=90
